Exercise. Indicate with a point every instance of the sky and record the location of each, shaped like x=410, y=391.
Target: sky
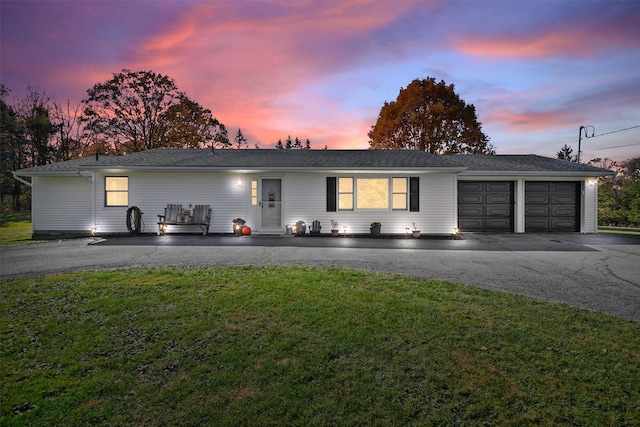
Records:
x=536, y=71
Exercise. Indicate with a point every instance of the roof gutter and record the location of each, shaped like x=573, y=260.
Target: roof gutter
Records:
x=535, y=173
x=86, y=175
x=24, y=181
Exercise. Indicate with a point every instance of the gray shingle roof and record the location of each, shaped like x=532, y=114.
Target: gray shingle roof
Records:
x=318, y=159
x=525, y=163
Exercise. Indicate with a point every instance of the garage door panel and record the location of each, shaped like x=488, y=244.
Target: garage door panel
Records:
x=471, y=211
x=537, y=199
x=563, y=211
x=498, y=198
x=471, y=198
x=471, y=223
x=568, y=187
x=537, y=211
x=552, y=206
x=485, y=206
x=563, y=224
x=563, y=199
x=493, y=210
x=538, y=186
x=502, y=224
x=537, y=223
x=470, y=186
x=503, y=187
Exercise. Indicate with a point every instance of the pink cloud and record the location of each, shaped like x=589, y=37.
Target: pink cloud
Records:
x=244, y=67
x=573, y=41
x=531, y=121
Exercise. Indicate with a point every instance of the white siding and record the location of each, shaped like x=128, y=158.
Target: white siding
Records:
x=61, y=204
x=305, y=199
x=151, y=192
x=69, y=204
x=589, y=223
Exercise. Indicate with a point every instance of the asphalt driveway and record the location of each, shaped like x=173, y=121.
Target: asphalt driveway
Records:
x=597, y=272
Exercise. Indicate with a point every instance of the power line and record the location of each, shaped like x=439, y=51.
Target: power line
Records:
x=617, y=146
x=613, y=131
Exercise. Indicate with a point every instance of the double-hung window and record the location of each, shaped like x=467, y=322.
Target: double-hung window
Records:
x=399, y=189
x=116, y=190
x=345, y=194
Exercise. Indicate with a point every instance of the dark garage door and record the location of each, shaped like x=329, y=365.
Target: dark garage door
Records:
x=552, y=206
x=485, y=206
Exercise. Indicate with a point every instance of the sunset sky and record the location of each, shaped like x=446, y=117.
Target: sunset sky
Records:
x=535, y=70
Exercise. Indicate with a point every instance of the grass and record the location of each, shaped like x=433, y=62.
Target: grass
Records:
x=298, y=346
x=619, y=230
x=15, y=228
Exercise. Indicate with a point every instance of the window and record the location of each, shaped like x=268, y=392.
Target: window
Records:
x=116, y=191
x=345, y=194
x=372, y=193
x=254, y=192
x=399, y=196
x=349, y=193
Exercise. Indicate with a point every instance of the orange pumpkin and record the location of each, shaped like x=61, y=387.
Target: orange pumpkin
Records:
x=246, y=230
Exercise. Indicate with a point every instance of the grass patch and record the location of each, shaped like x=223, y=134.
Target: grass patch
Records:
x=299, y=346
x=15, y=228
x=619, y=230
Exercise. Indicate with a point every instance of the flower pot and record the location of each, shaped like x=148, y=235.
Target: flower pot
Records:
x=237, y=226
x=375, y=231
x=416, y=233
x=335, y=232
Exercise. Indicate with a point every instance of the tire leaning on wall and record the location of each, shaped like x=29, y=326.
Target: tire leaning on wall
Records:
x=134, y=220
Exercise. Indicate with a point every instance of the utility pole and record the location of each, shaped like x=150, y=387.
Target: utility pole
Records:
x=586, y=135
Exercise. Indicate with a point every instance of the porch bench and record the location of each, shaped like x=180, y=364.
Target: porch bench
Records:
x=175, y=215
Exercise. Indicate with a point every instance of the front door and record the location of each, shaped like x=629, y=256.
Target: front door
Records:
x=271, y=204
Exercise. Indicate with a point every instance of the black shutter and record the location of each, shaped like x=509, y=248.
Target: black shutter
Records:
x=331, y=193
x=414, y=194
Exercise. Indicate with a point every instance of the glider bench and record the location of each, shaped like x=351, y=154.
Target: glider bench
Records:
x=175, y=215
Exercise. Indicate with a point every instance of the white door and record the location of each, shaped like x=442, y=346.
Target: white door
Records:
x=271, y=204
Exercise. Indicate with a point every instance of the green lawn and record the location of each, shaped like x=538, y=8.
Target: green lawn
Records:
x=619, y=230
x=299, y=346
x=15, y=228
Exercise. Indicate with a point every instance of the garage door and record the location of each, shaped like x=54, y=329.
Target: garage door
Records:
x=552, y=206
x=485, y=206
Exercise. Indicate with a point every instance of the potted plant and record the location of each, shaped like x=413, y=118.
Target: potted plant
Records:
x=375, y=228
x=238, y=224
x=416, y=232
x=300, y=228
x=334, y=228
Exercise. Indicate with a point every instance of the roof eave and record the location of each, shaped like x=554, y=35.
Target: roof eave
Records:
x=537, y=173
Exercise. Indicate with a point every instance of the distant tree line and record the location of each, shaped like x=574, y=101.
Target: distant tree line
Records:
x=132, y=111
x=295, y=144
x=619, y=196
